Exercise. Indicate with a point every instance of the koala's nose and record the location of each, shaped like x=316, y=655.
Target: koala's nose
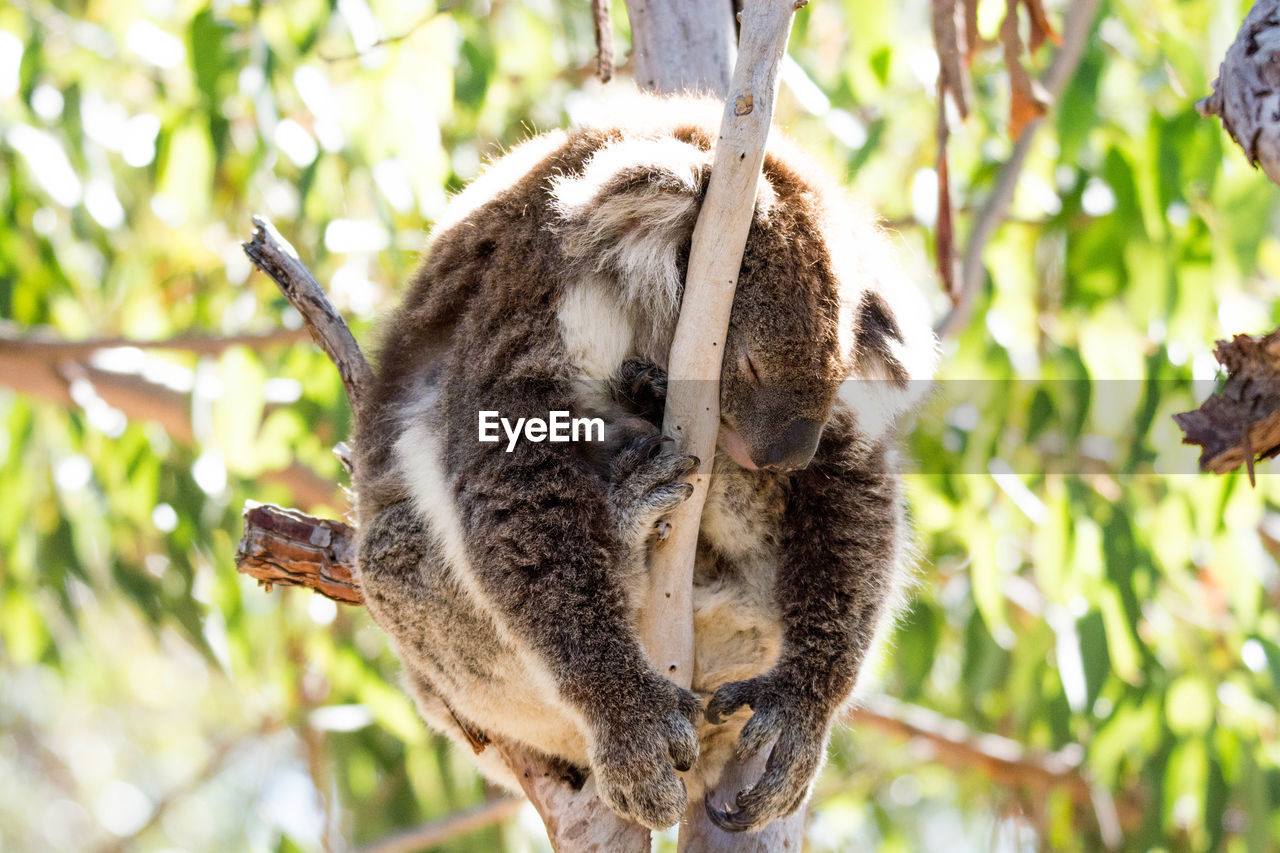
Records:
x=794, y=450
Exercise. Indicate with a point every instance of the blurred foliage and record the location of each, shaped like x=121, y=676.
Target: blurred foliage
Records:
x=1080, y=583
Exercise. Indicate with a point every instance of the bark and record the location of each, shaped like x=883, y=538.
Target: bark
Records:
x=274, y=256
x=283, y=546
x=1241, y=422
x=682, y=46
x=576, y=820
x=602, y=21
x=1246, y=95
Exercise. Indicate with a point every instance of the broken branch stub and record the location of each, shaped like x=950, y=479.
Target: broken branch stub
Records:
x=1246, y=95
x=1241, y=422
x=285, y=547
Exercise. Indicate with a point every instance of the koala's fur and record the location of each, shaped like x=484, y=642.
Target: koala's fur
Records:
x=508, y=582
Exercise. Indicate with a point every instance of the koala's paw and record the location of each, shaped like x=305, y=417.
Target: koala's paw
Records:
x=635, y=760
x=646, y=482
x=799, y=736
x=641, y=386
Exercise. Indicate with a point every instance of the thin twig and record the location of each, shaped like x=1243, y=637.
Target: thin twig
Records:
x=602, y=21
x=389, y=40
x=448, y=828
x=272, y=254
x=1079, y=21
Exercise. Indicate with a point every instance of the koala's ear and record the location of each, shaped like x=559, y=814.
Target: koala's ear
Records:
x=630, y=212
x=894, y=352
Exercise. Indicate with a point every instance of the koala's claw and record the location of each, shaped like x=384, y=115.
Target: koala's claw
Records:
x=726, y=818
x=799, y=745
x=646, y=483
x=634, y=776
x=641, y=386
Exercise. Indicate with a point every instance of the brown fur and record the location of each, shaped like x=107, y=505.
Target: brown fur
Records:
x=509, y=581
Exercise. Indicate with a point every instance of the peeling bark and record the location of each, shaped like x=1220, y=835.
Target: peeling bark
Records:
x=1246, y=95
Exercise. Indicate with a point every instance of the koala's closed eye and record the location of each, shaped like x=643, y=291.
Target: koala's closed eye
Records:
x=749, y=368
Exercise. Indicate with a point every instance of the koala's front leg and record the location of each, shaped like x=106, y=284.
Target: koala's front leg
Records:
x=544, y=547
x=839, y=558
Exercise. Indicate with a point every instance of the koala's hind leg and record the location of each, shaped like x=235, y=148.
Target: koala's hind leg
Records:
x=466, y=678
x=467, y=736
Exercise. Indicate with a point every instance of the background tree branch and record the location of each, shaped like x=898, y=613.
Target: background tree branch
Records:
x=1076, y=29
x=47, y=368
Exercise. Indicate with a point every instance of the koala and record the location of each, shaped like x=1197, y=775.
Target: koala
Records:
x=509, y=581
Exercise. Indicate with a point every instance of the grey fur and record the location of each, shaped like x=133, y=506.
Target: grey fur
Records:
x=509, y=582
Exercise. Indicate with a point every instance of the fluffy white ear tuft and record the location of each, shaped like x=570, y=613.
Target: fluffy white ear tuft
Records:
x=884, y=323
x=629, y=213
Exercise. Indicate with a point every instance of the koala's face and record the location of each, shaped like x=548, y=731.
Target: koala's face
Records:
x=783, y=363
x=775, y=396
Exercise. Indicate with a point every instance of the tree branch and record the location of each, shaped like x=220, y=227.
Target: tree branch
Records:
x=1003, y=761
x=283, y=546
x=446, y=829
x=697, y=350
x=602, y=21
x=272, y=254
x=46, y=370
x=46, y=344
x=1246, y=95
x=678, y=46
x=1079, y=21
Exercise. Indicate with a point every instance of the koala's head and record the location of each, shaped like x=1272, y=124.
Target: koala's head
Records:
x=822, y=310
